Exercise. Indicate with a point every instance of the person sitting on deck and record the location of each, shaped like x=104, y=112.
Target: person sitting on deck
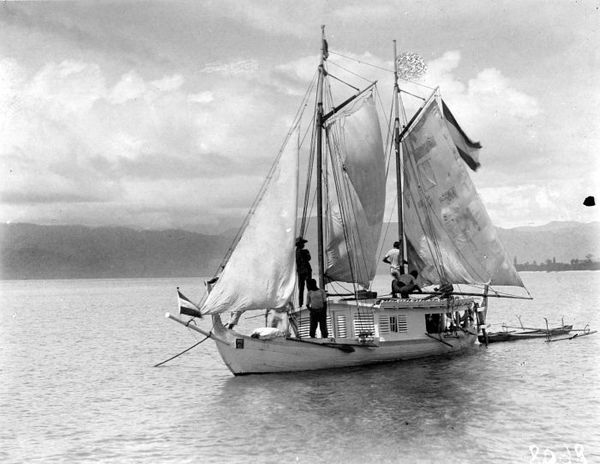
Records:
x=405, y=284
x=316, y=302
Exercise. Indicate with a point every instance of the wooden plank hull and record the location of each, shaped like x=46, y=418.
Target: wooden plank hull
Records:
x=246, y=355
x=253, y=356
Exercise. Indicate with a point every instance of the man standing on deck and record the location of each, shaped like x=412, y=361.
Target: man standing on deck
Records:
x=393, y=259
x=302, y=267
x=316, y=302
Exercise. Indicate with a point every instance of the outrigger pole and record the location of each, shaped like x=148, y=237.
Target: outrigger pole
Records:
x=206, y=333
x=485, y=295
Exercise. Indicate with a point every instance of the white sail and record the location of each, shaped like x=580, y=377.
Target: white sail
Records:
x=261, y=270
x=450, y=235
x=358, y=171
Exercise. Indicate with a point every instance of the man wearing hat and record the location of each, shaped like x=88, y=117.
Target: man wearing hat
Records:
x=302, y=267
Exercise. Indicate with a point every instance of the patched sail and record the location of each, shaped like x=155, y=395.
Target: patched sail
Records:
x=355, y=211
x=450, y=235
x=261, y=270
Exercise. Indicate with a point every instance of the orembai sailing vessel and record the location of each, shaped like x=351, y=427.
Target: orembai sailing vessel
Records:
x=445, y=235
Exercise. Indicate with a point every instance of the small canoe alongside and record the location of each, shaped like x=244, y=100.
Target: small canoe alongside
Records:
x=510, y=336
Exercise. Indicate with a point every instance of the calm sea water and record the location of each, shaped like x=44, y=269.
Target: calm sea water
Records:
x=77, y=385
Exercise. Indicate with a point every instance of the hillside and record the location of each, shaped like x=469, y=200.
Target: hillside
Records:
x=37, y=252
x=561, y=240
x=30, y=251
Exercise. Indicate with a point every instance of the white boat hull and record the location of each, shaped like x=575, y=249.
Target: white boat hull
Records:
x=289, y=355
x=246, y=355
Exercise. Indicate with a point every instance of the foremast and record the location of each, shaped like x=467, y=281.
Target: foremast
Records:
x=350, y=181
x=319, y=160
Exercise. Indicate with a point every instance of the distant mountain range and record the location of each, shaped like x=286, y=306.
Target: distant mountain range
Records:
x=30, y=251
x=562, y=241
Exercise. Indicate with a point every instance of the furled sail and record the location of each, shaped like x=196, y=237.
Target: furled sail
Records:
x=450, y=235
x=355, y=212
x=261, y=271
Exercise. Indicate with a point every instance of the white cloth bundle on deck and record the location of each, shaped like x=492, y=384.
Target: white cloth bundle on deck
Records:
x=267, y=333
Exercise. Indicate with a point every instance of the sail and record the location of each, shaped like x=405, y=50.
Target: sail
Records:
x=261, y=270
x=450, y=235
x=355, y=210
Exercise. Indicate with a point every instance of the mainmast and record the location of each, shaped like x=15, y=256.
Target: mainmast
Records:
x=319, y=126
x=397, y=148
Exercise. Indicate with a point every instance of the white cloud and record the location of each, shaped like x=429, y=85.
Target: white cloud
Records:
x=492, y=89
x=488, y=98
x=365, y=11
x=66, y=87
x=235, y=68
x=169, y=83
x=440, y=69
x=202, y=97
x=71, y=140
x=281, y=17
x=129, y=87
x=110, y=137
x=533, y=204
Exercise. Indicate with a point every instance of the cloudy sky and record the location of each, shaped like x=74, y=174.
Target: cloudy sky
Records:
x=168, y=114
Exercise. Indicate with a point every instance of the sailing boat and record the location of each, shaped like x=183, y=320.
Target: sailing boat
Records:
x=445, y=232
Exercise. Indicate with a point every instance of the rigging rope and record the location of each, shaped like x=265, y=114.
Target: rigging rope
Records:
x=350, y=72
x=343, y=82
x=382, y=69
x=426, y=222
x=348, y=208
x=430, y=220
x=412, y=95
x=427, y=228
x=388, y=162
x=342, y=186
x=334, y=156
x=311, y=162
x=361, y=62
x=268, y=178
x=184, y=351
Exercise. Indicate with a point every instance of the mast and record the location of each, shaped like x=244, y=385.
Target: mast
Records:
x=398, y=162
x=319, y=126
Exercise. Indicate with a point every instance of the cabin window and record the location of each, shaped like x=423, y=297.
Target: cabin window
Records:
x=393, y=324
x=384, y=324
x=398, y=323
x=363, y=324
x=304, y=327
x=340, y=326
